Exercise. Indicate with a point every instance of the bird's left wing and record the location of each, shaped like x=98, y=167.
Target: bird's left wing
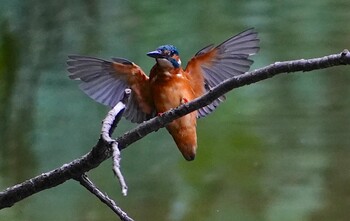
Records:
x=212, y=65
x=105, y=82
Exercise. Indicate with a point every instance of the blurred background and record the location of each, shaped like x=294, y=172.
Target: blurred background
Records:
x=275, y=150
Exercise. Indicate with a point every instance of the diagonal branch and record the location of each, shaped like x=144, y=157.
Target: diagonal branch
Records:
x=102, y=150
x=86, y=182
x=238, y=81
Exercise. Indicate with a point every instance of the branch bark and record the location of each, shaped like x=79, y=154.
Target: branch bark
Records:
x=102, y=150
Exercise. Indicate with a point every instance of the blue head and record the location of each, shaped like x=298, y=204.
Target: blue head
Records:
x=166, y=53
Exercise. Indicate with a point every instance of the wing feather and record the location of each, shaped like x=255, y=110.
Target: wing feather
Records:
x=105, y=82
x=213, y=65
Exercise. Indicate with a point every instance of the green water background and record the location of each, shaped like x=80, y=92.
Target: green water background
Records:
x=275, y=150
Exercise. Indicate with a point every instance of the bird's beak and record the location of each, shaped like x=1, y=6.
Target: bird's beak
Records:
x=155, y=54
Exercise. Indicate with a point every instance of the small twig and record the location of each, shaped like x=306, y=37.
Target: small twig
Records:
x=108, y=126
x=116, y=168
x=91, y=187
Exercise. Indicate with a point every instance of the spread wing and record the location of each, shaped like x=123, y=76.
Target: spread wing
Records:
x=105, y=82
x=212, y=65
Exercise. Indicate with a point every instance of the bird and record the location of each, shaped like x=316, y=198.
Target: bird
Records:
x=168, y=84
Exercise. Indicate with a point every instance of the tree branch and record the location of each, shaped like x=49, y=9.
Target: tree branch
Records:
x=102, y=150
x=86, y=182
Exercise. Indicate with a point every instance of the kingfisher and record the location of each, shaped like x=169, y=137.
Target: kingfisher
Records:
x=168, y=84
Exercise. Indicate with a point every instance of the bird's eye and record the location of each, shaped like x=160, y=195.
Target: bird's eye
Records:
x=166, y=52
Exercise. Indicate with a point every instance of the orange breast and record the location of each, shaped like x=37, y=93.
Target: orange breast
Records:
x=170, y=90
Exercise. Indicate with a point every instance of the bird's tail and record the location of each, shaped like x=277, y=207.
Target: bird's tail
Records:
x=185, y=136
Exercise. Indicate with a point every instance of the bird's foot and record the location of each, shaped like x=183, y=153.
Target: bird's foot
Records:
x=184, y=100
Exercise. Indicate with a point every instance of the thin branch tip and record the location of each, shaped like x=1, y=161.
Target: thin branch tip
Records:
x=345, y=56
x=84, y=180
x=127, y=93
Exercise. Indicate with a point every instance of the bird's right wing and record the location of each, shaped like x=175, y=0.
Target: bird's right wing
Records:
x=213, y=65
x=105, y=82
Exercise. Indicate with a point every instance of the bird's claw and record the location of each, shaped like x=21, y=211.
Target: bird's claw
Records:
x=184, y=100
